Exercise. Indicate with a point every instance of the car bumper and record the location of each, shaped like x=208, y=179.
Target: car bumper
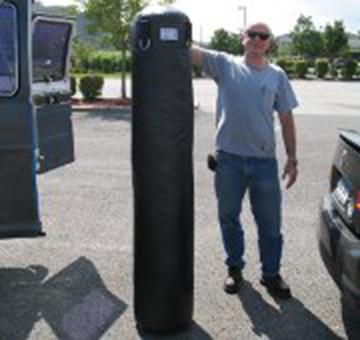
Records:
x=340, y=251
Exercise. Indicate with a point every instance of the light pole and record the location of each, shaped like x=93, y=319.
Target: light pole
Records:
x=243, y=9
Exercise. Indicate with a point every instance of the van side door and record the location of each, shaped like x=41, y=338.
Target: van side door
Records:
x=51, y=92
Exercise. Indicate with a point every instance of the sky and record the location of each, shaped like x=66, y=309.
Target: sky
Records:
x=281, y=15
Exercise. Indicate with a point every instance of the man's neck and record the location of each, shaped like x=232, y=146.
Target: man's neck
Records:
x=258, y=60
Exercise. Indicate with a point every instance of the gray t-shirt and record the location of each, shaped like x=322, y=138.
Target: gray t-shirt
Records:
x=247, y=98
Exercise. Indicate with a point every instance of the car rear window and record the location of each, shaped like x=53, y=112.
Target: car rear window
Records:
x=8, y=51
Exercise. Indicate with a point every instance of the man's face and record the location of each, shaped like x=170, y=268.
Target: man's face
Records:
x=257, y=39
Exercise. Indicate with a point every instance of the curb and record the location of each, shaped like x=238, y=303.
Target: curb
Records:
x=121, y=108
x=86, y=108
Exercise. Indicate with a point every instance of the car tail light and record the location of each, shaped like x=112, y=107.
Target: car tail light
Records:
x=357, y=201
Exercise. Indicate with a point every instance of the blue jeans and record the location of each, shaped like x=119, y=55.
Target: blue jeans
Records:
x=234, y=176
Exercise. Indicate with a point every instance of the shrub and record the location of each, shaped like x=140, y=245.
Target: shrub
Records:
x=348, y=70
x=287, y=65
x=311, y=63
x=94, y=63
x=197, y=71
x=100, y=62
x=282, y=63
x=358, y=70
x=73, y=86
x=334, y=72
x=321, y=68
x=108, y=62
x=301, y=68
x=91, y=86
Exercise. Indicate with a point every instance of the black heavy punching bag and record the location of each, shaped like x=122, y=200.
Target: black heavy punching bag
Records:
x=162, y=142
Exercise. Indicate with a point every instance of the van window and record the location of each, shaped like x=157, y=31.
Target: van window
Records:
x=9, y=67
x=50, y=49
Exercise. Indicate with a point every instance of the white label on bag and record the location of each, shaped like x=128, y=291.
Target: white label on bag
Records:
x=169, y=34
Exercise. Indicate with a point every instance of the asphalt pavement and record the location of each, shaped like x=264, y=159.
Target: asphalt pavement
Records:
x=76, y=283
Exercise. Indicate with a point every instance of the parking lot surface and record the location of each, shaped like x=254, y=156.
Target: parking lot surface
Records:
x=76, y=283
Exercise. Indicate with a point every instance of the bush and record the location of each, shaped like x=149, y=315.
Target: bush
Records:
x=301, y=68
x=321, y=68
x=85, y=59
x=311, y=63
x=95, y=63
x=287, y=65
x=197, y=71
x=358, y=70
x=348, y=70
x=91, y=86
x=107, y=62
x=73, y=86
x=282, y=63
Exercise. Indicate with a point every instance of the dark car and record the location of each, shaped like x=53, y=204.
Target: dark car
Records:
x=339, y=228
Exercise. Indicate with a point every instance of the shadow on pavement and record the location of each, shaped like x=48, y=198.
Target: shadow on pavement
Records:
x=351, y=320
x=291, y=320
x=20, y=300
x=75, y=302
x=194, y=332
x=111, y=115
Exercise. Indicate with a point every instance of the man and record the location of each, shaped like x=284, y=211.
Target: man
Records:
x=249, y=91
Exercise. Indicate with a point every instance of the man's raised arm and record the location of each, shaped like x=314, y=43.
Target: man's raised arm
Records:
x=196, y=55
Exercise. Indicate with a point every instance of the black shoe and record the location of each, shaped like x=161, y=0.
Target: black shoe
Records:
x=276, y=286
x=233, y=280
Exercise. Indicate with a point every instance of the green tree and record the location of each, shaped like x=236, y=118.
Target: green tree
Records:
x=166, y=2
x=306, y=41
x=336, y=40
x=226, y=42
x=113, y=18
x=80, y=54
x=71, y=10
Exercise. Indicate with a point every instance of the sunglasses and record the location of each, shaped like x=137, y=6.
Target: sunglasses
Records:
x=262, y=36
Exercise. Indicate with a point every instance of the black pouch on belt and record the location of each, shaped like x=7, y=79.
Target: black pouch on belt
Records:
x=211, y=162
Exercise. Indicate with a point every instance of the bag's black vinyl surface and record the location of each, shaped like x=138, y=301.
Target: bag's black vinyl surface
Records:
x=162, y=143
